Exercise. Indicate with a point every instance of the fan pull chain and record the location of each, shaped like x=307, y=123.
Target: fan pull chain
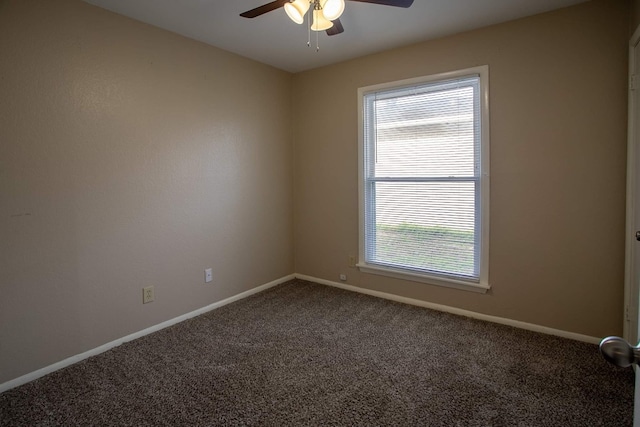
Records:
x=308, y=29
x=308, y=17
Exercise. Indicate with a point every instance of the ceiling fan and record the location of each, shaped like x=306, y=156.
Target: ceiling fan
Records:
x=326, y=13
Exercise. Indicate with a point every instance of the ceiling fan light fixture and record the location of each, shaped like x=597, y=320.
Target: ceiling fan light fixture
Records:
x=296, y=10
x=320, y=23
x=332, y=9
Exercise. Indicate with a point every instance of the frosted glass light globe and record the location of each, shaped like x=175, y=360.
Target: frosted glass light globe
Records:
x=332, y=9
x=296, y=10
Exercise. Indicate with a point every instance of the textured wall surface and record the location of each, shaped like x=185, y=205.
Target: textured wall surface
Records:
x=558, y=147
x=129, y=156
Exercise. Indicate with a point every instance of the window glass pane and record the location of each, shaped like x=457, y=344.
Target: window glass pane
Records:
x=428, y=131
x=425, y=226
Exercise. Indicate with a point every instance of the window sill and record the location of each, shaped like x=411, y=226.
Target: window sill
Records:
x=423, y=278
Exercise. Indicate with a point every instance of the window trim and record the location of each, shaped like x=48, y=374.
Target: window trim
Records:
x=482, y=285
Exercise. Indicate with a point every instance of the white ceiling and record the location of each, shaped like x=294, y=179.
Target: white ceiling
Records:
x=274, y=39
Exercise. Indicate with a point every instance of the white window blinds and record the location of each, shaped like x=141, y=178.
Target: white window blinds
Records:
x=422, y=178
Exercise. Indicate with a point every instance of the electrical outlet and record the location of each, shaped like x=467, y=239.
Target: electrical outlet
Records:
x=147, y=294
x=352, y=261
x=343, y=277
x=208, y=275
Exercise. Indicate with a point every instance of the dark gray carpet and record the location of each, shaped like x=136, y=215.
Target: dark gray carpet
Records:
x=307, y=354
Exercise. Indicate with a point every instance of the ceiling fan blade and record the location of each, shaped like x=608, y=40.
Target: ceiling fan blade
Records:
x=396, y=3
x=336, y=29
x=261, y=10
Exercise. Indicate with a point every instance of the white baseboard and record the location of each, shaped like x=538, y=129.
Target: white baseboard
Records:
x=79, y=357
x=458, y=311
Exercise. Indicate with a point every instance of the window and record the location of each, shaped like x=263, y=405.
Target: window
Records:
x=424, y=183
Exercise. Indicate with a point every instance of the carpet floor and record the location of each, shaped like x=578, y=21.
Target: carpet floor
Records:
x=306, y=354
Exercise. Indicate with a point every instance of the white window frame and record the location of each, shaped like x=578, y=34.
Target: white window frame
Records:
x=481, y=285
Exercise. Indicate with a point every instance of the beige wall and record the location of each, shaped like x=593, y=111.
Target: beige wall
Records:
x=558, y=141
x=129, y=156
